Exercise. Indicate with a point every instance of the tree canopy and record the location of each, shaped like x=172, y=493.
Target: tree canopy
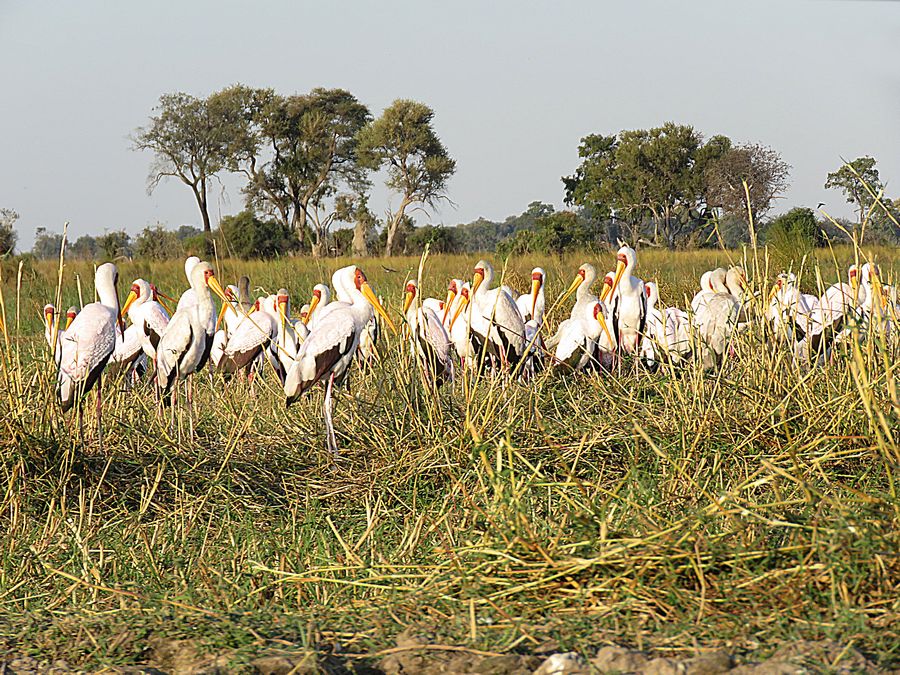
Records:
x=418, y=165
x=190, y=138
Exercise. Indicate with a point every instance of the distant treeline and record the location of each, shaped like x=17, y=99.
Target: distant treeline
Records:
x=308, y=161
x=538, y=229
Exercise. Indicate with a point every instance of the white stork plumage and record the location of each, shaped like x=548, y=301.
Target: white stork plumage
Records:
x=148, y=316
x=186, y=344
x=428, y=337
x=532, y=305
x=495, y=315
x=576, y=339
x=253, y=338
x=329, y=350
x=89, y=342
x=628, y=306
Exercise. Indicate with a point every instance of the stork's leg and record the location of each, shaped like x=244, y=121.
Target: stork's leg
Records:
x=329, y=424
x=100, y=411
x=189, y=385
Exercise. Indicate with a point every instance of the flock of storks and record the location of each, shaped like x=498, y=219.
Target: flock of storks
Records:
x=487, y=329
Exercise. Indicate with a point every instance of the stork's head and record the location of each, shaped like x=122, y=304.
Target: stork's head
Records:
x=464, y=300
x=362, y=285
x=411, y=289
x=483, y=271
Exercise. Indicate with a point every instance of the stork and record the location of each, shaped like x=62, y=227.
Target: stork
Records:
x=329, y=350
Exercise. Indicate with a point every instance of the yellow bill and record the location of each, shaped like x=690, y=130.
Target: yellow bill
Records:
x=373, y=300
x=459, y=310
x=129, y=301
x=312, y=306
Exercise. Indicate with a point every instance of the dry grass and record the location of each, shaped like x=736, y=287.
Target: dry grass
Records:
x=743, y=508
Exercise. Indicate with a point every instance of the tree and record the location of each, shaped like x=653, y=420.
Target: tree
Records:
x=8, y=235
x=46, y=245
x=645, y=177
x=115, y=244
x=859, y=181
x=84, y=248
x=191, y=139
x=761, y=167
x=158, y=243
x=792, y=235
x=365, y=223
x=246, y=236
x=297, y=153
x=418, y=165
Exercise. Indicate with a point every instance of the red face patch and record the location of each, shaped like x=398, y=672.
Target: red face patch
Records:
x=647, y=290
x=536, y=276
x=282, y=299
x=465, y=293
x=452, y=287
x=596, y=310
x=229, y=294
x=411, y=288
x=582, y=274
x=208, y=274
x=360, y=279
x=479, y=270
x=622, y=258
x=317, y=293
x=136, y=289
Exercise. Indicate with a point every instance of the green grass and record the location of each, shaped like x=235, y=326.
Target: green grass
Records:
x=744, y=508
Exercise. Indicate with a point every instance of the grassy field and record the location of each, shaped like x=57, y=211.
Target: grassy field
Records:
x=674, y=511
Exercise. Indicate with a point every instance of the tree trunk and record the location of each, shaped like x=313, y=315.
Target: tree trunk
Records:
x=319, y=246
x=200, y=194
x=298, y=222
x=360, y=232
x=392, y=228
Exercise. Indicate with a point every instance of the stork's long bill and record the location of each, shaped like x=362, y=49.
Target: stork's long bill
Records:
x=462, y=306
x=369, y=294
x=451, y=294
x=313, y=303
x=409, y=297
x=621, y=263
x=536, y=283
x=133, y=295
x=598, y=313
x=576, y=282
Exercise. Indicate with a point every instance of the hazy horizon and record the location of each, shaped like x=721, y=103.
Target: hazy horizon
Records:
x=514, y=87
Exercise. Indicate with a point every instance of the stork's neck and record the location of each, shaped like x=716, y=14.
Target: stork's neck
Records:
x=108, y=297
x=205, y=308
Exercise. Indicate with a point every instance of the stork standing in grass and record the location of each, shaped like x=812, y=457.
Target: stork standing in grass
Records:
x=186, y=344
x=428, y=336
x=89, y=343
x=331, y=346
x=629, y=302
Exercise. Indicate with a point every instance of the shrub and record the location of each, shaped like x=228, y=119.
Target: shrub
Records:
x=246, y=236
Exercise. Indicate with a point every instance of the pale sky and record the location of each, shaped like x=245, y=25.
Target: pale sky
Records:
x=514, y=86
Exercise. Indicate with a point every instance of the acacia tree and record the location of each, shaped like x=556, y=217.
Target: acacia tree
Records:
x=852, y=179
x=297, y=153
x=763, y=170
x=418, y=165
x=190, y=138
x=645, y=175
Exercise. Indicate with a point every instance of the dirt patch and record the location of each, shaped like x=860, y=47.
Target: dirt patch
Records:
x=415, y=655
